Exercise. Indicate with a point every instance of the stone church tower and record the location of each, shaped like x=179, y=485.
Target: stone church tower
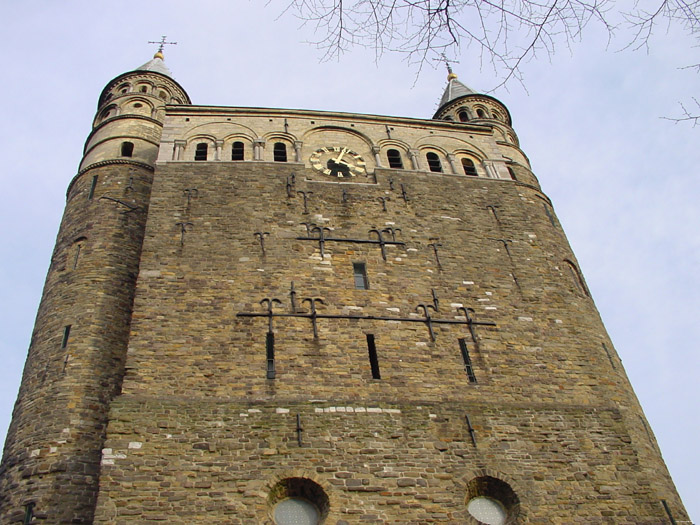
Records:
x=258, y=316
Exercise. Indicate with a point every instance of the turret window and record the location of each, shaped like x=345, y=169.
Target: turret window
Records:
x=127, y=149
x=469, y=167
x=237, y=151
x=496, y=115
x=280, y=152
x=463, y=116
x=434, y=162
x=201, y=151
x=394, y=158
x=481, y=113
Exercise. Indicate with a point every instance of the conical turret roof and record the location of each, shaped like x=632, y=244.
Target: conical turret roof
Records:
x=157, y=65
x=454, y=90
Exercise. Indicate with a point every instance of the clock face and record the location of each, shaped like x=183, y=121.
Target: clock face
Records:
x=337, y=161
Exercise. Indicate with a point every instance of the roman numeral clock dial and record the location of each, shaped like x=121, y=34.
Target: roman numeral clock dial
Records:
x=337, y=161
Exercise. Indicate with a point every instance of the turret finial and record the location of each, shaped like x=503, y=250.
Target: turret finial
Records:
x=159, y=53
x=450, y=74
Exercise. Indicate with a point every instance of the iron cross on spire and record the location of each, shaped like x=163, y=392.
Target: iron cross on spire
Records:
x=447, y=62
x=162, y=43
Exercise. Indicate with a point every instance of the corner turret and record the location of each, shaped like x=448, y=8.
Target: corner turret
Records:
x=130, y=112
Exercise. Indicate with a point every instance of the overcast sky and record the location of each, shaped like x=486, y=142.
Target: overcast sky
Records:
x=624, y=182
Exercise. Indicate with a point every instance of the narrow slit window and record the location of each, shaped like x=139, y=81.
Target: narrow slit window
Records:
x=201, y=152
x=93, y=185
x=66, y=335
x=394, y=158
x=578, y=280
x=359, y=271
x=463, y=116
x=467, y=360
x=127, y=149
x=373, y=361
x=469, y=167
x=77, y=247
x=237, y=151
x=512, y=173
x=434, y=162
x=280, y=152
x=270, y=350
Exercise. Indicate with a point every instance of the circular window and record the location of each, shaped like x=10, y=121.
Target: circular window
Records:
x=298, y=501
x=138, y=105
x=296, y=511
x=491, y=501
x=487, y=510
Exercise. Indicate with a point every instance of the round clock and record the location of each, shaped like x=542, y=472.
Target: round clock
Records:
x=337, y=161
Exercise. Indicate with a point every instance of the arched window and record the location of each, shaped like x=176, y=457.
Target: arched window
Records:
x=481, y=113
x=280, y=152
x=201, y=151
x=127, y=149
x=576, y=275
x=434, y=162
x=163, y=95
x=144, y=89
x=394, y=158
x=496, y=115
x=469, y=167
x=237, y=151
x=463, y=116
x=447, y=117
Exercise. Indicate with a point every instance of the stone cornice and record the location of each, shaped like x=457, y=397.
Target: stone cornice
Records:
x=107, y=163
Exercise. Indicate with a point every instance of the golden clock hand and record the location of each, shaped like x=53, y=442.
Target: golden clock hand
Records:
x=342, y=152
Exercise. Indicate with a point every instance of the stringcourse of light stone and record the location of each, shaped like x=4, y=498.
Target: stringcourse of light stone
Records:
x=259, y=316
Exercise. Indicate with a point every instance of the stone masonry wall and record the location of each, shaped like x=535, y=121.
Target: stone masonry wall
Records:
x=548, y=381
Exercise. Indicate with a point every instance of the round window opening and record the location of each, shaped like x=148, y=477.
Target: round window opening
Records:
x=491, y=501
x=487, y=510
x=298, y=501
x=296, y=511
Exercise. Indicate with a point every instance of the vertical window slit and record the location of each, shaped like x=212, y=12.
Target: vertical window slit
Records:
x=91, y=193
x=373, y=361
x=467, y=360
x=359, y=271
x=66, y=335
x=612, y=363
x=270, y=349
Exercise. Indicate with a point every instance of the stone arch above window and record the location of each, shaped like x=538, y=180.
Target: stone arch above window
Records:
x=491, y=500
x=293, y=497
x=434, y=163
x=393, y=156
x=481, y=113
x=124, y=88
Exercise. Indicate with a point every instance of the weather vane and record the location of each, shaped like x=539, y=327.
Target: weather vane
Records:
x=162, y=43
x=447, y=62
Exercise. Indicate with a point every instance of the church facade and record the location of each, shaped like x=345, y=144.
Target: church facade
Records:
x=286, y=316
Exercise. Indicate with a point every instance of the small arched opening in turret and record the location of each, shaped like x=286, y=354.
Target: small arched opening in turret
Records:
x=201, y=151
x=280, y=152
x=434, y=163
x=463, y=115
x=163, y=95
x=124, y=88
x=238, y=151
x=394, y=158
x=127, y=149
x=469, y=167
x=496, y=115
x=481, y=113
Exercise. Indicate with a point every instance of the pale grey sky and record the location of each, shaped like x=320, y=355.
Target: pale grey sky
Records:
x=623, y=181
